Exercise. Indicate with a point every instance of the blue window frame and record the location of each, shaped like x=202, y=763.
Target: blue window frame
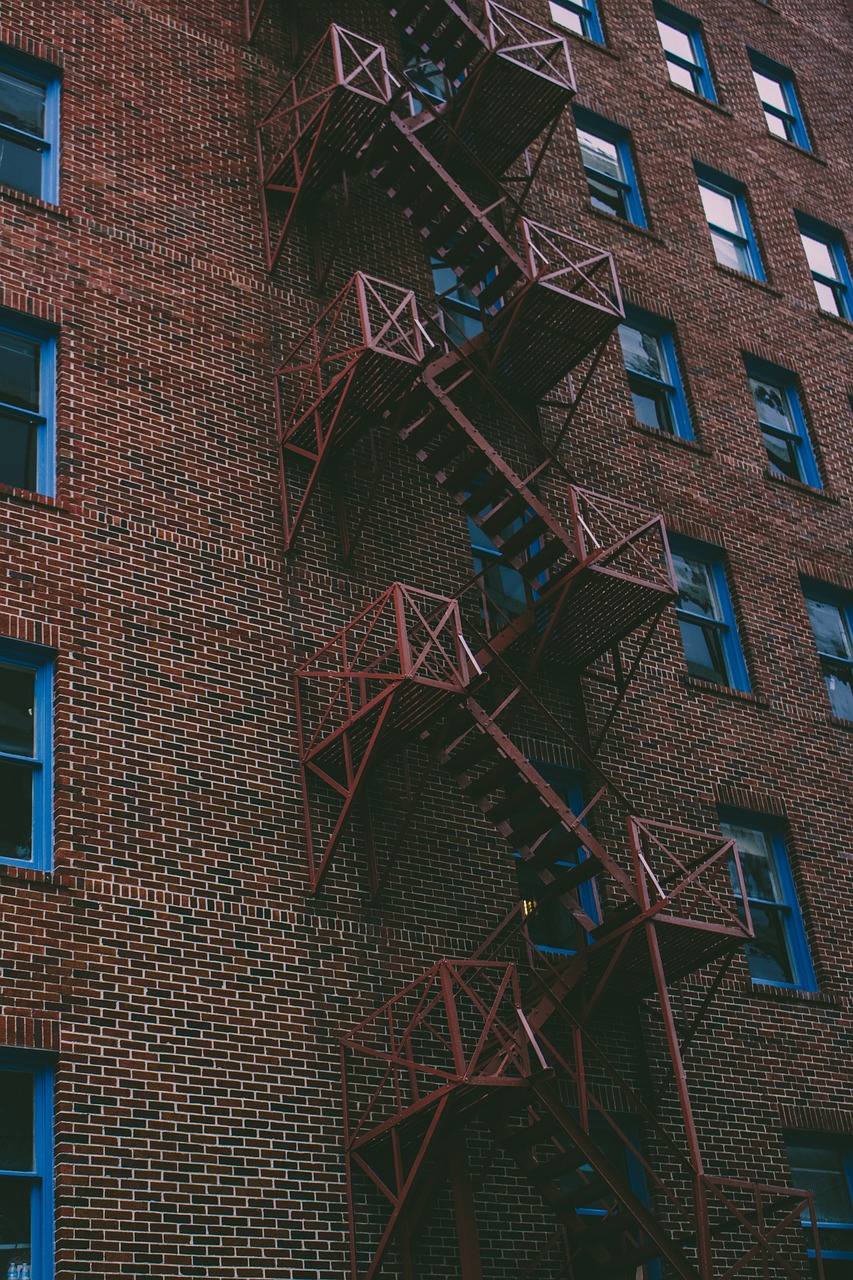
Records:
x=824, y=249
x=462, y=317
x=709, y=632
x=26, y=749
x=831, y=616
x=775, y=85
x=609, y=167
x=727, y=214
x=29, y=125
x=26, y=1166
x=686, y=62
x=579, y=16
x=823, y=1164
x=782, y=422
x=779, y=954
x=552, y=927
x=27, y=400
x=648, y=350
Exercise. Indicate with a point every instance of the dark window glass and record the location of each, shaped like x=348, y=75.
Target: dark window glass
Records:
x=16, y=1121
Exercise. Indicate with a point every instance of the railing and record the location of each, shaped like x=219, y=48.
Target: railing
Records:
x=761, y=1231
x=694, y=878
x=532, y=46
x=571, y=265
x=620, y=536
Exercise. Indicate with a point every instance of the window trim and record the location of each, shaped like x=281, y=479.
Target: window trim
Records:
x=722, y=184
x=620, y=138
x=715, y=558
x=788, y=383
x=700, y=71
x=826, y=593
x=590, y=19
x=834, y=241
x=34, y=69
x=795, y=930
x=45, y=335
x=41, y=662
x=664, y=331
x=42, y=1068
x=784, y=77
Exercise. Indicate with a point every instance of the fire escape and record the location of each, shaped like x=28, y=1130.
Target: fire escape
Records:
x=500, y=1059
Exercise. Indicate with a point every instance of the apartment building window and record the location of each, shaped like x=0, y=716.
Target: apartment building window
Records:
x=609, y=167
x=552, y=927
x=26, y=1167
x=29, y=125
x=681, y=37
x=823, y=1164
x=775, y=85
x=706, y=618
x=648, y=350
x=824, y=250
x=782, y=423
x=581, y=17
x=26, y=714
x=779, y=953
x=27, y=377
x=724, y=202
x=831, y=617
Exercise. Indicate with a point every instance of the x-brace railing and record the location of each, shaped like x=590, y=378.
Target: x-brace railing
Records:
x=762, y=1226
x=609, y=531
x=532, y=46
x=576, y=268
x=669, y=881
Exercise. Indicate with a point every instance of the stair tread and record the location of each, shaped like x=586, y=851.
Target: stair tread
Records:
x=495, y=776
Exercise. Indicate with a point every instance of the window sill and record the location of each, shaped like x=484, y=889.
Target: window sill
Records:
x=628, y=226
x=56, y=880
x=800, y=486
x=841, y=320
x=588, y=41
x=31, y=499
x=705, y=102
x=683, y=443
x=802, y=151
x=34, y=202
x=766, y=991
x=722, y=690
x=838, y=723
x=751, y=280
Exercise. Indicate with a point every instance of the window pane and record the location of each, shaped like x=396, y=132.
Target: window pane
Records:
x=20, y=362
x=567, y=18
x=757, y=861
x=771, y=404
x=696, y=585
x=20, y=167
x=683, y=77
x=768, y=956
x=652, y=409
x=553, y=925
x=676, y=41
x=607, y=196
x=599, y=153
x=730, y=253
x=17, y=709
x=780, y=126
x=784, y=456
x=703, y=651
x=821, y=1171
x=15, y=1218
x=839, y=686
x=819, y=256
x=721, y=210
x=22, y=104
x=828, y=298
x=16, y=1121
x=770, y=91
x=642, y=353
x=830, y=629
x=16, y=811
x=18, y=452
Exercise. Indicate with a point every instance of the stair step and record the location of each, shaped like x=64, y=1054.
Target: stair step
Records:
x=567, y=880
x=485, y=494
x=422, y=24
x=543, y=559
x=592, y=1227
x=560, y=846
x=420, y=434
x=424, y=210
x=544, y=820
x=580, y=1197
x=464, y=55
x=448, y=227
x=486, y=261
x=532, y=1135
x=475, y=750
x=563, y=1162
x=448, y=448
x=519, y=797
x=441, y=42
x=496, y=776
x=461, y=253
x=471, y=466
x=504, y=514
x=519, y=541
x=496, y=289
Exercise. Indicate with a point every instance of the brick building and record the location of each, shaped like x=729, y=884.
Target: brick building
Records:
x=427, y=640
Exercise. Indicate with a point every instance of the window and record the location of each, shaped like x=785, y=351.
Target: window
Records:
x=831, y=615
x=25, y=756
x=552, y=926
x=783, y=426
x=827, y=261
x=580, y=17
x=26, y=1167
x=779, y=953
x=27, y=375
x=724, y=202
x=824, y=1165
x=705, y=616
x=609, y=168
x=504, y=592
x=29, y=125
x=681, y=37
x=775, y=86
x=648, y=350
